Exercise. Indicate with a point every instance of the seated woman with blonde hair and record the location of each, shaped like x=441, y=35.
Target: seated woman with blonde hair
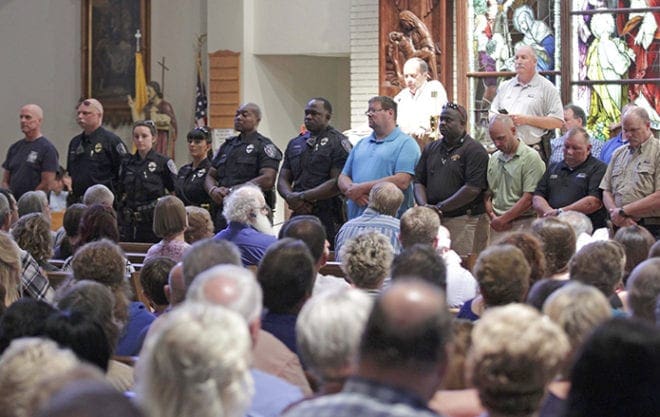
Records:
x=10, y=269
x=170, y=223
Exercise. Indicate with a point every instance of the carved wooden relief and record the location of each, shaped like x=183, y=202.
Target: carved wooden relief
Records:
x=413, y=29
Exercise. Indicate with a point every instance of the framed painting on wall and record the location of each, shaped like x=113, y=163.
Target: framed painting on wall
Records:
x=109, y=45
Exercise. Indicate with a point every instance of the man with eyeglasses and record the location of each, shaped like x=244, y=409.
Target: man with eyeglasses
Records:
x=95, y=155
x=312, y=163
x=451, y=179
x=387, y=154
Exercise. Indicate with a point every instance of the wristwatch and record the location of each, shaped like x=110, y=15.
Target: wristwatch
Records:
x=622, y=213
x=559, y=211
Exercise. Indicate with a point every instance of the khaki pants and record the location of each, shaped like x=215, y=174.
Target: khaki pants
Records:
x=464, y=230
x=518, y=225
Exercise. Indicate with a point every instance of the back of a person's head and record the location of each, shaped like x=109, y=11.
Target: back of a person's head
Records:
x=419, y=225
x=617, y=372
x=88, y=399
x=502, y=274
x=153, y=277
x=24, y=318
x=96, y=302
x=559, y=242
x=32, y=233
x=10, y=269
x=25, y=364
x=532, y=248
x=169, y=217
x=98, y=222
x=242, y=204
x=599, y=264
x=82, y=334
x=328, y=332
x=196, y=363
x=644, y=288
x=540, y=291
x=461, y=342
x=637, y=242
x=98, y=194
x=5, y=209
x=310, y=230
x=366, y=259
x=580, y=222
x=654, y=252
x=578, y=309
x=208, y=253
x=286, y=275
x=32, y=202
x=423, y=262
x=230, y=286
x=385, y=198
x=72, y=217
x=516, y=352
x=408, y=328
x=200, y=224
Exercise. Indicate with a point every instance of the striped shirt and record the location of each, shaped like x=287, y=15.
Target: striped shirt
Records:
x=370, y=220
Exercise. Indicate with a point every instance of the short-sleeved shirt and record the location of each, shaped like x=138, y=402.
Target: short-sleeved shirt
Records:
x=241, y=158
x=539, y=97
x=510, y=178
x=190, y=184
x=144, y=180
x=415, y=110
x=26, y=160
x=372, y=159
x=633, y=174
x=561, y=186
x=370, y=220
x=312, y=158
x=95, y=159
x=557, y=149
x=444, y=170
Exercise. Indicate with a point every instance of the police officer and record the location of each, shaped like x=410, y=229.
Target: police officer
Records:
x=248, y=157
x=143, y=178
x=95, y=155
x=190, y=180
x=312, y=163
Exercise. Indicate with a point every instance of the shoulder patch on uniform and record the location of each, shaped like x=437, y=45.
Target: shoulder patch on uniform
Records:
x=121, y=149
x=272, y=152
x=171, y=166
x=346, y=144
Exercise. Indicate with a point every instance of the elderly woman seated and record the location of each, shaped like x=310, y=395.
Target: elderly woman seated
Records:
x=170, y=223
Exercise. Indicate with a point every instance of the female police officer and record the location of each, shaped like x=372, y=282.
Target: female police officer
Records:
x=190, y=180
x=143, y=178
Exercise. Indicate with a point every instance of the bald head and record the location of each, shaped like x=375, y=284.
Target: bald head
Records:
x=176, y=288
x=408, y=328
x=31, y=116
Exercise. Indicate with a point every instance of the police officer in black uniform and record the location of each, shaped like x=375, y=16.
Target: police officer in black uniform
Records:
x=190, y=180
x=95, y=155
x=143, y=178
x=248, y=157
x=312, y=163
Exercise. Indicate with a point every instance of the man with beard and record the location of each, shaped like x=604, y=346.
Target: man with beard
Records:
x=95, y=155
x=451, y=178
x=312, y=163
x=249, y=227
x=248, y=157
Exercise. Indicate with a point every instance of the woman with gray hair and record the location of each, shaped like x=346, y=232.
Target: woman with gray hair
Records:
x=196, y=362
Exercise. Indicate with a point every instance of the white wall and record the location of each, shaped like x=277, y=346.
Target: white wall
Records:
x=40, y=44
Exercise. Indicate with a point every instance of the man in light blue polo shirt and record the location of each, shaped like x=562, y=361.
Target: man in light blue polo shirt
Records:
x=387, y=154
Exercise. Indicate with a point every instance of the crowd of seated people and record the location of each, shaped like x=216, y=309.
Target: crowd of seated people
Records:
x=394, y=321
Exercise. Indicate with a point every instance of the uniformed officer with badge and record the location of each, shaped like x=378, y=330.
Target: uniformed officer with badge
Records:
x=144, y=177
x=312, y=163
x=94, y=156
x=190, y=180
x=248, y=157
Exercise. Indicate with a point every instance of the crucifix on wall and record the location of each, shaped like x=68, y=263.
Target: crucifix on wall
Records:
x=163, y=68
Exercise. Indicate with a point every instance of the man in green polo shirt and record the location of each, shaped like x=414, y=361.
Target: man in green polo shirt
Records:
x=513, y=172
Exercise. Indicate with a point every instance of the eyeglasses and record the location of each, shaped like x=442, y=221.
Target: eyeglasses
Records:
x=374, y=111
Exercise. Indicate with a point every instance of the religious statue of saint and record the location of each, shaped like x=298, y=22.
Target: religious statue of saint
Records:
x=162, y=113
x=414, y=41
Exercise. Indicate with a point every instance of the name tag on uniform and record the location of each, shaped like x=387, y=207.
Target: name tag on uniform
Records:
x=553, y=176
x=581, y=175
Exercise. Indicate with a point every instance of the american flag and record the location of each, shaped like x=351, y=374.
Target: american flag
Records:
x=201, y=101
